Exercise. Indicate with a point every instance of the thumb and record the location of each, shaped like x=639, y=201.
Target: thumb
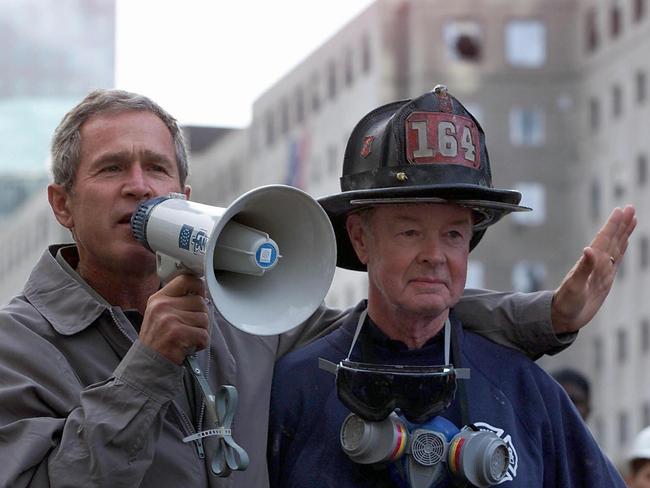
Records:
x=583, y=269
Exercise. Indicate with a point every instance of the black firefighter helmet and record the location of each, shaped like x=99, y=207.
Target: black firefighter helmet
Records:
x=426, y=150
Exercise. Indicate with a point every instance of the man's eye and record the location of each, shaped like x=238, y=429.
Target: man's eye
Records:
x=410, y=233
x=456, y=235
x=111, y=168
x=158, y=168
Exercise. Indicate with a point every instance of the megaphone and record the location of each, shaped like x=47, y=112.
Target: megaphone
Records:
x=268, y=259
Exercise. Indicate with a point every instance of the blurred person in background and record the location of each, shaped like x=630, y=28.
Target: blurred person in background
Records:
x=638, y=459
x=577, y=387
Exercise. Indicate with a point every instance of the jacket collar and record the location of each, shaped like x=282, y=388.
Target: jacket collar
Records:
x=67, y=303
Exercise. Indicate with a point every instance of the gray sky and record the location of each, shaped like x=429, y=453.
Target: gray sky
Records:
x=207, y=60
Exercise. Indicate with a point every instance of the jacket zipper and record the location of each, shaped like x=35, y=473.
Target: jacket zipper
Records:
x=185, y=421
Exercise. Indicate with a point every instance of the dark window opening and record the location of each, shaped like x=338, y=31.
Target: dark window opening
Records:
x=642, y=169
x=300, y=105
x=348, y=69
x=617, y=101
x=621, y=346
x=315, y=95
x=598, y=354
x=592, y=38
x=641, y=83
x=366, y=56
x=284, y=117
x=645, y=337
x=331, y=80
x=594, y=113
x=595, y=200
x=643, y=251
x=623, y=427
x=270, y=129
x=639, y=10
x=615, y=21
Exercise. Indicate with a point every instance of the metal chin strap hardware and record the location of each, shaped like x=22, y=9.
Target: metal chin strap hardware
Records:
x=220, y=408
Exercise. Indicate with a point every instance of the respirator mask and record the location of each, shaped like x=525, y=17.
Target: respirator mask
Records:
x=395, y=422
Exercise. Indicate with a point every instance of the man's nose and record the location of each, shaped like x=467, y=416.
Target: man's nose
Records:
x=136, y=184
x=431, y=251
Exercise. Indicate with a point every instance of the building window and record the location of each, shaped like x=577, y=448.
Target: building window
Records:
x=527, y=127
x=643, y=251
x=599, y=430
x=348, y=67
x=645, y=337
x=269, y=128
x=526, y=43
x=315, y=94
x=621, y=346
x=639, y=10
x=598, y=354
x=615, y=21
x=641, y=84
x=331, y=80
x=623, y=429
x=332, y=160
x=316, y=170
x=595, y=200
x=594, y=113
x=475, y=274
x=645, y=415
x=618, y=178
x=528, y=276
x=236, y=180
x=284, y=116
x=533, y=195
x=464, y=40
x=366, y=55
x=300, y=105
x=592, y=37
x=642, y=169
x=617, y=101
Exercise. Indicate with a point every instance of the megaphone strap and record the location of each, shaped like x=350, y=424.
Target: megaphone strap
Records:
x=228, y=455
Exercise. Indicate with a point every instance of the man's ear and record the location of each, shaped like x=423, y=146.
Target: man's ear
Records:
x=358, y=236
x=187, y=191
x=59, y=199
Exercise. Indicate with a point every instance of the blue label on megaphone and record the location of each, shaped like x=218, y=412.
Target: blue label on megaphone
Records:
x=266, y=255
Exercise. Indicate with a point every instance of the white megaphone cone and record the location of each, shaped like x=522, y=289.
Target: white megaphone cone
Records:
x=268, y=259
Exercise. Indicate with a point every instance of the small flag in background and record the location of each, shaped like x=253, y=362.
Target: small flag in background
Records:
x=298, y=162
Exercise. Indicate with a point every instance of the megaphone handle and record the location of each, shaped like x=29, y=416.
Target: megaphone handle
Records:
x=167, y=267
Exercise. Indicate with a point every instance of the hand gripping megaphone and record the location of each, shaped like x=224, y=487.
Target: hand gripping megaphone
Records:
x=268, y=261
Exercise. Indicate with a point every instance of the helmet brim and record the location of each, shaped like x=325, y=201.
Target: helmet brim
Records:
x=490, y=204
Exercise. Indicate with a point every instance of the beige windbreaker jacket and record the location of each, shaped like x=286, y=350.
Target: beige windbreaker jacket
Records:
x=84, y=404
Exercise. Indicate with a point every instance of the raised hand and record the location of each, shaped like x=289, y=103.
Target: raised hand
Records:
x=587, y=284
